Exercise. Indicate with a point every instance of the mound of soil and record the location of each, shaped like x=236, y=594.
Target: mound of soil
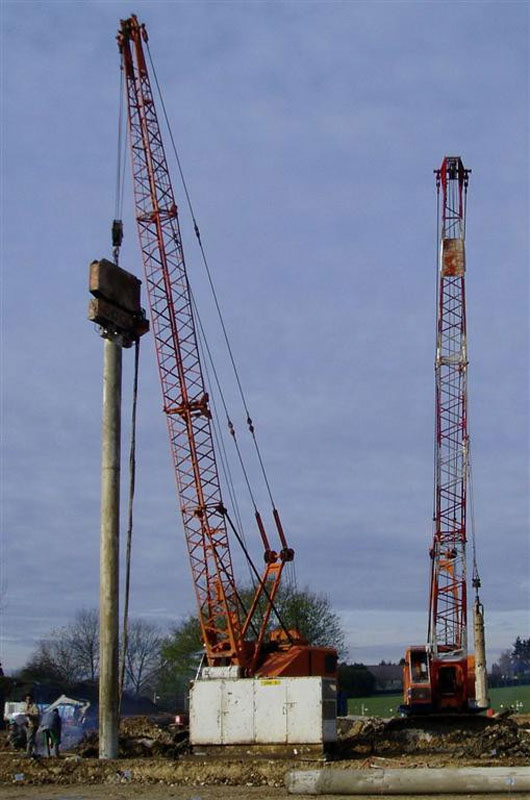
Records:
x=140, y=737
x=459, y=739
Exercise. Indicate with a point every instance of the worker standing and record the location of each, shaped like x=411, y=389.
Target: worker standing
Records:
x=32, y=716
x=51, y=728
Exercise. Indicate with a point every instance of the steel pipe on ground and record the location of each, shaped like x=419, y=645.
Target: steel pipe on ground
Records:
x=465, y=780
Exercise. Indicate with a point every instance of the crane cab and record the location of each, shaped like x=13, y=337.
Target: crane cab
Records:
x=445, y=684
x=417, y=692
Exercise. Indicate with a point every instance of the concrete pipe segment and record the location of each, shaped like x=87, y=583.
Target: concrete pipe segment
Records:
x=486, y=780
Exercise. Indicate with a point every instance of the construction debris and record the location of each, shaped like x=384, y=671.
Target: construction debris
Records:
x=152, y=751
x=456, y=738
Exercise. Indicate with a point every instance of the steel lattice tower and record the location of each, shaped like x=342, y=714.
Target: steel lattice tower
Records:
x=225, y=623
x=184, y=394
x=448, y=600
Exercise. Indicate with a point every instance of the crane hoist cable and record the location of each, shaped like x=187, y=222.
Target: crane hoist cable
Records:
x=292, y=572
x=207, y=358
x=249, y=421
x=117, y=225
x=231, y=428
x=434, y=446
x=220, y=443
x=132, y=484
x=117, y=239
x=475, y=577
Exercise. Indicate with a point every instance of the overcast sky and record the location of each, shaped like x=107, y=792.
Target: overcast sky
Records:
x=308, y=133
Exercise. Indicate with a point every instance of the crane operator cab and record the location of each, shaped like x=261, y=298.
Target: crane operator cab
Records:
x=442, y=685
x=416, y=681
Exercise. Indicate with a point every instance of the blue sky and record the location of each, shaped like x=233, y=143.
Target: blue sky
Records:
x=308, y=132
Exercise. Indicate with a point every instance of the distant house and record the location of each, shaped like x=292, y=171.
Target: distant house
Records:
x=388, y=677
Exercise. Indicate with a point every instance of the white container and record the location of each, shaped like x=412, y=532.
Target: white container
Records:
x=264, y=711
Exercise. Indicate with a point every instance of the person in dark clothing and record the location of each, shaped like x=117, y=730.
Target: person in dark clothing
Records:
x=51, y=728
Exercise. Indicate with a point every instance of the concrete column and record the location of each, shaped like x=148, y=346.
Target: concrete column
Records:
x=407, y=782
x=481, y=675
x=109, y=552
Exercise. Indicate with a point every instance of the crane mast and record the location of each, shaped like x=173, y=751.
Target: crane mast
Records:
x=448, y=601
x=441, y=676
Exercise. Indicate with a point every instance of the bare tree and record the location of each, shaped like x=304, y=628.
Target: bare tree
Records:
x=142, y=660
x=84, y=633
x=54, y=658
x=70, y=653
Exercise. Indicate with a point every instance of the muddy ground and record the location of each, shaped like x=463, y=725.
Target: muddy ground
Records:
x=155, y=761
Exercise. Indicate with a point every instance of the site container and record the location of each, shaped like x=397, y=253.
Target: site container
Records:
x=270, y=711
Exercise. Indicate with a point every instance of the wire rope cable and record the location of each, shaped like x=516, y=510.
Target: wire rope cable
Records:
x=250, y=423
x=263, y=586
x=206, y=349
x=118, y=207
x=218, y=436
x=437, y=301
x=132, y=485
x=119, y=169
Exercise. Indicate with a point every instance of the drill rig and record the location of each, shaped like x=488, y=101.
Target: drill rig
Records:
x=239, y=646
x=440, y=677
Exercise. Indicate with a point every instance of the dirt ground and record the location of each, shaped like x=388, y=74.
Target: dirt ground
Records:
x=204, y=793
x=155, y=761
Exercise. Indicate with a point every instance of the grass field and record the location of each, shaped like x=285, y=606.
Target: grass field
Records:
x=386, y=705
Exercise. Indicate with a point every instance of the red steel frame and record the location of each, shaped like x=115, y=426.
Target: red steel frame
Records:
x=448, y=601
x=186, y=402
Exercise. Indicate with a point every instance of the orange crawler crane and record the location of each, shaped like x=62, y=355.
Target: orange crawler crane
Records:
x=440, y=677
x=237, y=640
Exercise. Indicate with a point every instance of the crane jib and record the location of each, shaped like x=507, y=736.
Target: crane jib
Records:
x=224, y=622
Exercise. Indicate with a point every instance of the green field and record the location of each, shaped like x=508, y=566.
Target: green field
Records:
x=386, y=705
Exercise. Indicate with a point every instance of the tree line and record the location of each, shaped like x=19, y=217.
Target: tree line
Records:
x=513, y=666
x=159, y=663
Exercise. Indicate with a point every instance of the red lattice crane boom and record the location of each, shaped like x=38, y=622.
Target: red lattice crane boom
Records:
x=441, y=676
x=225, y=625
x=448, y=599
